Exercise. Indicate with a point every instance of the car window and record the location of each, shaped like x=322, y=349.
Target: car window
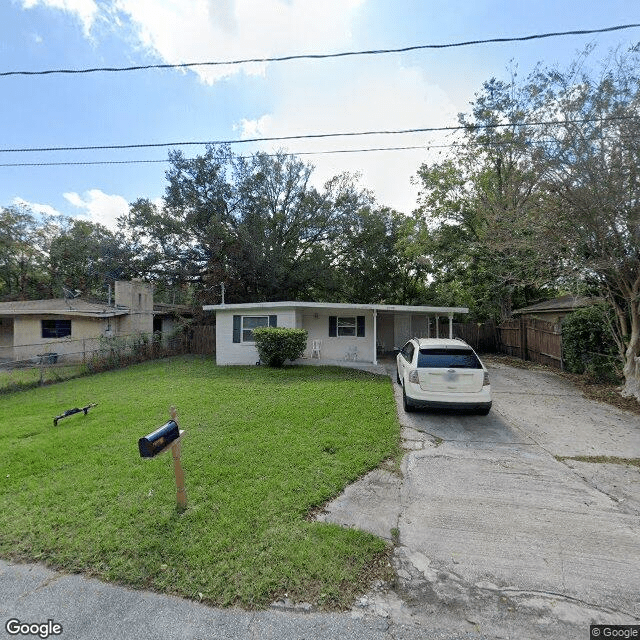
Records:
x=408, y=350
x=448, y=359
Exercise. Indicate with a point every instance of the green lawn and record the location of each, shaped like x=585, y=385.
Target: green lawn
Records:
x=263, y=447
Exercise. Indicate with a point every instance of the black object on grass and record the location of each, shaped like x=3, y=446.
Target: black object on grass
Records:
x=70, y=412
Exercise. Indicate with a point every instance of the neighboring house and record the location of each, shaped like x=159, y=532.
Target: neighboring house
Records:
x=166, y=317
x=72, y=327
x=554, y=310
x=358, y=332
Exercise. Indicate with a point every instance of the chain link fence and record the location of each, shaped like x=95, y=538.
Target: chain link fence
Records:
x=71, y=358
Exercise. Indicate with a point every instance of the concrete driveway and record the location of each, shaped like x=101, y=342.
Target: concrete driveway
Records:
x=498, y=536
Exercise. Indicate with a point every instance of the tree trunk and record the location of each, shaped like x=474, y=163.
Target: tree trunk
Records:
x=631, y=369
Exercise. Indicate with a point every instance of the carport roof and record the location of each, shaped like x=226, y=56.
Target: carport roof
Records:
x=338, y=306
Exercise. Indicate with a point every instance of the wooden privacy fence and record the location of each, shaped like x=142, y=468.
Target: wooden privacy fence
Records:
x=482, y=337
x=532, y=339
x=202, y=339
x=524, y=338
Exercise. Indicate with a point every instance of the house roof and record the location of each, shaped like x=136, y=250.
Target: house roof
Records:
x=338, y=306
x=61, y=307
x=563, y=303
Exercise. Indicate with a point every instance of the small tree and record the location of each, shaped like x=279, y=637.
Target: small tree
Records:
x=277, y=344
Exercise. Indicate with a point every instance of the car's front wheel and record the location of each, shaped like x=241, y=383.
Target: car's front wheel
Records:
x=398, y=376
x=405, y=402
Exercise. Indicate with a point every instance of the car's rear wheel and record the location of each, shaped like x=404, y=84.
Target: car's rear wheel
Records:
x=405, y=402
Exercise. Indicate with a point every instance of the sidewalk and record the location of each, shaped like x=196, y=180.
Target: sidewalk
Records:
x=91, y=610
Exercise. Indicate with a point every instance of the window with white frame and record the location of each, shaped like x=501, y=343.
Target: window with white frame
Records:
x=346, y=325
x=244, y=326
x=249, y=323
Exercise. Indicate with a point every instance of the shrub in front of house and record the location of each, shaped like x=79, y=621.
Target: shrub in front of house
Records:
x=588, y=346
x=277, y=344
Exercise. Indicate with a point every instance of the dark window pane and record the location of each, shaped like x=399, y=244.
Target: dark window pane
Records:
x=56, y=328
x=448, y=359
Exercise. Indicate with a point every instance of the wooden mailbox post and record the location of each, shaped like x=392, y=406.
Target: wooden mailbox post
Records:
x=169, y=436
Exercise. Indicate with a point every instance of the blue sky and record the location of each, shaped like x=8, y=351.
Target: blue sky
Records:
x=395, y=91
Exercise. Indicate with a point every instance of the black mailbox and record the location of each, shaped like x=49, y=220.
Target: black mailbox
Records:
x=153, y=443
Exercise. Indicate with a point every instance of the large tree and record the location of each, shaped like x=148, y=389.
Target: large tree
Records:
x=256, y=224
x=88, y=257
x=374, y=261
x=593, y=208
x=546, y=189
x=480, y=207
x=23, y=254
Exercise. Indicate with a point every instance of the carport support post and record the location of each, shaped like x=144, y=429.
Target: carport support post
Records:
x=450, y=326
x=375, y=336
x=437, y=326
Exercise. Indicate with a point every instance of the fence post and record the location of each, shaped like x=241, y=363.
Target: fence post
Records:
x=523, y=338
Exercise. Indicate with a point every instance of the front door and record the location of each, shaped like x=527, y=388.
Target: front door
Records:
x=401, y=329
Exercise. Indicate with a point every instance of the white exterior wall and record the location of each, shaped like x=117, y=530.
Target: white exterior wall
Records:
x=336, y=348
x=229, y=352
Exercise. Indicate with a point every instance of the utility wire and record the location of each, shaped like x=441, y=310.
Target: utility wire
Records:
x=166, y=160
x=273, y=155
x=321, y=56
x=309, y=136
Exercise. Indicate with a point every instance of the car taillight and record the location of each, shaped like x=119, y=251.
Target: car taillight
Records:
x=413, y=376
x=485, y=382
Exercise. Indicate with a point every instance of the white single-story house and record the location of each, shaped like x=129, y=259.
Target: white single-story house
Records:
x=337, y=331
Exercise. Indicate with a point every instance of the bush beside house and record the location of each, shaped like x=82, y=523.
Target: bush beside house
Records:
x=277, y=344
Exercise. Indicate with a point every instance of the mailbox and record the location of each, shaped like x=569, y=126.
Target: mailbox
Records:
x=152, y=444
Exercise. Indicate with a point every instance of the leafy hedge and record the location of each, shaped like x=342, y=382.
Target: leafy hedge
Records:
x=588, y=346
x=277, y=344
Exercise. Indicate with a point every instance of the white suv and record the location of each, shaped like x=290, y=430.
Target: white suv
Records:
x=442, y=373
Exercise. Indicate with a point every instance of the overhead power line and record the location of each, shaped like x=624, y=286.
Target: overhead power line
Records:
x=311, y=136
x=321, y=56
x=428, y=146
x=270, y=155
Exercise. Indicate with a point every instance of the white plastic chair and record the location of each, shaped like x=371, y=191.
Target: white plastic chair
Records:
x=351, y=354
x=316, y=345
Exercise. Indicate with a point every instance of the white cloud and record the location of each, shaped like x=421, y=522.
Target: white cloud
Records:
x=207, y=30
x=99, y=207
x=85, y=10
x=43, y=209
x=254, y=128
x=374, y=97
